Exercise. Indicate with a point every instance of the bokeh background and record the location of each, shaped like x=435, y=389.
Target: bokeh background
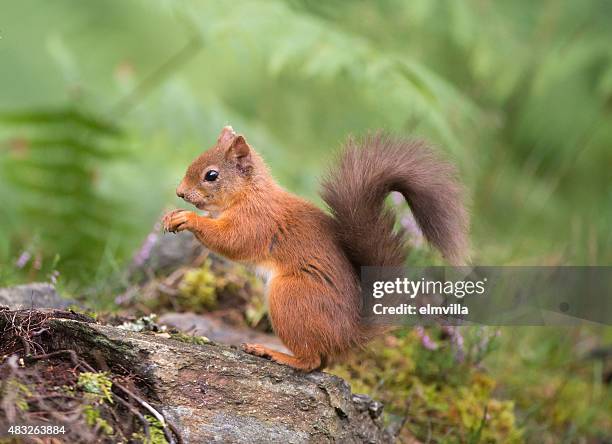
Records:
x=104, y=104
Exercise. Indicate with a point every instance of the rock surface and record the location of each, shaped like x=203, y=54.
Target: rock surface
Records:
x=37, y=295
x=164, y=252
x=217, y=330
x=210, y=392
x=214, y=393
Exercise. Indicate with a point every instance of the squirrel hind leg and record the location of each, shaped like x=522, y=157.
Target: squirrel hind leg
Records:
x=304, y=363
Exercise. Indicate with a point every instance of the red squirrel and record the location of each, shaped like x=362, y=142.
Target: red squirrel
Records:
x=314, y=257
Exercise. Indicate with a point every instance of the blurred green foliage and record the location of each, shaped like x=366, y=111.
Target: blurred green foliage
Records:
x=530, y=385
x=54, y=163
x=104, y=104
x=519, y=94
x=433, y=380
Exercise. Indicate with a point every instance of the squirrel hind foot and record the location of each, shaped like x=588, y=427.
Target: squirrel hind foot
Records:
x=305, y=363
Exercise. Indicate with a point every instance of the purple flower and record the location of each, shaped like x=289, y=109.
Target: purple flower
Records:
x=407, y=219
x=426, y=341
x=397, y=198
x=23, y=259
x=456, y=340
x=145, y=251
x=53, y=277
x=127, y=296
x=409, y=223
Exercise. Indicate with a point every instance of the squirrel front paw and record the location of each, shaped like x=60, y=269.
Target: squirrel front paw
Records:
x=178, y=220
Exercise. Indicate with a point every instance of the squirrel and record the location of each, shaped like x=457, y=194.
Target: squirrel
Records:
x=314, y=257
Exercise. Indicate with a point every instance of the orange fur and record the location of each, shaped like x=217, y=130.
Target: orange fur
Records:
x=314, y=292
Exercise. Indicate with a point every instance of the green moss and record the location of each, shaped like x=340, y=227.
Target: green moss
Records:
x=98, y=390
x=93, y=419
x=199, y=287
x=190, y=339
x=97, y=384
x=144, y=323
x=78, y=309
x=441, y=393
x=204, y=287
x=156, y=432
x=216, y=284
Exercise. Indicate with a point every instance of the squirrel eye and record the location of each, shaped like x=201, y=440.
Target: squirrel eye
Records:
x=211, y=175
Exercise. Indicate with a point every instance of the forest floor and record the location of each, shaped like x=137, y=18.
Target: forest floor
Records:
x=436, y=384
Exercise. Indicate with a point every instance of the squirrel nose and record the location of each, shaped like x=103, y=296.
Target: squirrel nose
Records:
x=180, y=193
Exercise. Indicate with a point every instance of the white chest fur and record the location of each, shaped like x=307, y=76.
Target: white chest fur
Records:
x=265, y=272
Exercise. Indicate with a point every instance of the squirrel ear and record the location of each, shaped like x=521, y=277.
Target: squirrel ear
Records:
x=239, y=147
x=240, y=151
x=227, y=136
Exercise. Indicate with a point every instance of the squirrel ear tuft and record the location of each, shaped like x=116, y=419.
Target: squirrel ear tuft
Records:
x=240, y=151
x=227, y=136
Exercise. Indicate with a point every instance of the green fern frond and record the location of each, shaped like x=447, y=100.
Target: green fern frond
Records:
x=65, y=116
x=303, y=45
x=54, y=156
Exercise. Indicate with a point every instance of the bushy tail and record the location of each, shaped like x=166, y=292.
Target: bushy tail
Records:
x=367, y=172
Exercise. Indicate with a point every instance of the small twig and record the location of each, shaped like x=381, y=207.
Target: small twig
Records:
x=57, y=395
x=201, y=258
x=179, y=439
x=116, y=419
x=31, y=326
x=167, y=290
x=84, y=365
x=174, y=277
x=154, y=412
x=73, y=356
x=26, y=346
x=143, y=420
x=38, y=332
